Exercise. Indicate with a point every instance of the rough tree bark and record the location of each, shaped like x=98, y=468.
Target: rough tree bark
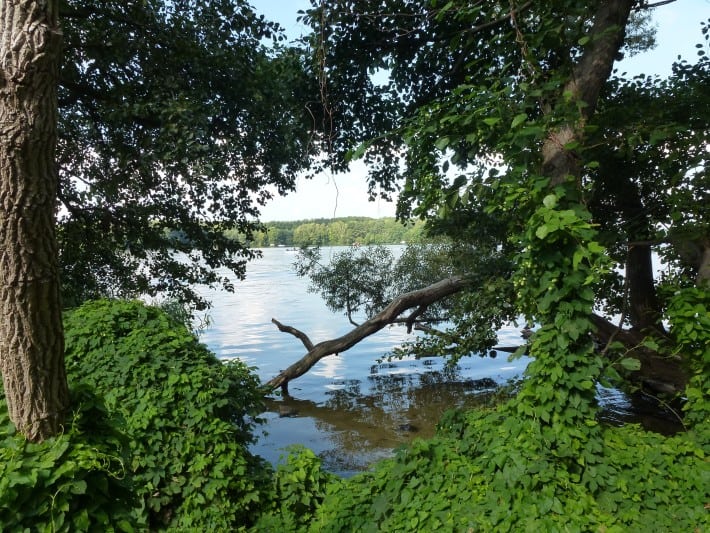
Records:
x=587, y=79
x=31, y=336
x=391, y=313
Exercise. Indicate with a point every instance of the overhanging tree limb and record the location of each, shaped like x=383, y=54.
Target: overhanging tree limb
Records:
x=421, y=297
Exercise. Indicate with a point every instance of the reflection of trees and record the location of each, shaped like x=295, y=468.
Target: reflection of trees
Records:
x=395, y=408
x=365, y=420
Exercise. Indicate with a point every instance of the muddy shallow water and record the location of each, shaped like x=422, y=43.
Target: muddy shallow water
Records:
x=350, y=409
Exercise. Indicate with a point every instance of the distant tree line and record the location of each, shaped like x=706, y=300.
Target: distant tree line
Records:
x=334, y=232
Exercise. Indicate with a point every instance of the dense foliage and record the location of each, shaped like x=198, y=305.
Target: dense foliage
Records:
x=334, y=232
x=173, y=115
x=77, y=481
x=188, y=415
x=158, y=442
x=504, y=133
x=490, y=472
x=504, y=127
x=158, y=439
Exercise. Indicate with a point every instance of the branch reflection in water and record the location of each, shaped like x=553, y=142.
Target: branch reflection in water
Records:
x=360, y=422
x=347, y=409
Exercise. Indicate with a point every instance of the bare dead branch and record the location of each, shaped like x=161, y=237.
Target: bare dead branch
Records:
x=295, y=332
x=421, y=297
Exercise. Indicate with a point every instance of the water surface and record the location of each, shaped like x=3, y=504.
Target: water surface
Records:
x=350, y=409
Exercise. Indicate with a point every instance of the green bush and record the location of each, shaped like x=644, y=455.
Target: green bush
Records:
x=299, y=488
x=481, y=474
x=76, y=481
x=159, y=436
x=188, y=416
x=689, y=316
x=158, y=439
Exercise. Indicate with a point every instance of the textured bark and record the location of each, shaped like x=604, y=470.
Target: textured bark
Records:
x=388, y=315
x=31, y=338
x=585, y=84
x=658, y=373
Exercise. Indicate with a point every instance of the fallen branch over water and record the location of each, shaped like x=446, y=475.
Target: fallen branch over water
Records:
x=657, y=372
x=390, y=314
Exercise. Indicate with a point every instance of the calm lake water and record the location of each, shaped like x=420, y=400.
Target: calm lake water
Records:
x=348, y=409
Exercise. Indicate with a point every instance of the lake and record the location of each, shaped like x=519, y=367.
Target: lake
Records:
x=349, y=409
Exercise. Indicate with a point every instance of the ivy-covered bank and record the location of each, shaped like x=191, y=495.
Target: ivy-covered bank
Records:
x=158, y=442
x=541, y=461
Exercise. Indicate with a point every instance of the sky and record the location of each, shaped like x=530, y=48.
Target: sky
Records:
x=341, y=195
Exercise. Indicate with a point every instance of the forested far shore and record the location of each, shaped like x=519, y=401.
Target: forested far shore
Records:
x=334, y=232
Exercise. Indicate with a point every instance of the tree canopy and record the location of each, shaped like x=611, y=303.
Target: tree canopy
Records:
x=173, y=115
x=505, y=127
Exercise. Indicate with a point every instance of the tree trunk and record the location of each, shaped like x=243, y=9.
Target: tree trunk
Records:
x=644, y=309
x=586, y=82
x=704, y=265
x=658, y=373
x=31, y=336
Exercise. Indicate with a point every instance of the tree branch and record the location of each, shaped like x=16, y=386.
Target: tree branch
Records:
x=646, y=5
x=417, y=298
x=660, y=373
x=295, y=332
x=411, y=319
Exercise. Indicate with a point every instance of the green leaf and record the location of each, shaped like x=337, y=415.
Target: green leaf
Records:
x=518, y=120
x=577, y=258
x=542, y=232
x=550, y=201
x=629, y=363
x=357, y=153
x=442, y=143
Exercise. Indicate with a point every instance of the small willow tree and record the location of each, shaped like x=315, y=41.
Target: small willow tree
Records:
x=31, y=336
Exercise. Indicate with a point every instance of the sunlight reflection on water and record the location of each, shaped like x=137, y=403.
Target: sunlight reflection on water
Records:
x=348, y=408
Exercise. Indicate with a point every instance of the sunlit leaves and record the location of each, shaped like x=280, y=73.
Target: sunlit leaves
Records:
x=187, y=417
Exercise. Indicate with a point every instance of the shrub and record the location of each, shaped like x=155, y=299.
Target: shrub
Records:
x=299, y=486
x=188, y=416
x=481, y=474
x=76, y=481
